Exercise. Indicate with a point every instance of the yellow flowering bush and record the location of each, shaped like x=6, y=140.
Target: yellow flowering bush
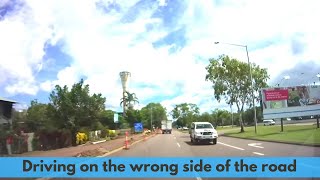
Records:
x=81, y=138
x=112, y=133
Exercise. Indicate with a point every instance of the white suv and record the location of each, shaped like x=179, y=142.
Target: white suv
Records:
x=203, y=131
x=268, y=122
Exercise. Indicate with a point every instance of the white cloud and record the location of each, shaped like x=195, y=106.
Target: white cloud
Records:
x=47, y=86
x=101, y=46
x=23, y=88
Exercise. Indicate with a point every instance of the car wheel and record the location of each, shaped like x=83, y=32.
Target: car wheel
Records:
x=195, y=140
x=214, y=141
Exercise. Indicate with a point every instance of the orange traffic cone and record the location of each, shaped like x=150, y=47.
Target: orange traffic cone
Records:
x=126, y=142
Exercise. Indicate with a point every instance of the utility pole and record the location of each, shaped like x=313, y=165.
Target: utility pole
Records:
x=151, y=120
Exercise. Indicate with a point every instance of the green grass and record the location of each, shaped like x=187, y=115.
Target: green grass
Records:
x=226, y=127
x=303, y=134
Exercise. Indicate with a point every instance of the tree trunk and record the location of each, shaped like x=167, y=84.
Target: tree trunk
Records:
x=240, y=117
x=241, y=122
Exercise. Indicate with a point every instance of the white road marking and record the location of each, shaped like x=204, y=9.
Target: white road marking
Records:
x=178, y=145
x=258, y=153
x=231, y=146
x=257, y=145
x=199, y=178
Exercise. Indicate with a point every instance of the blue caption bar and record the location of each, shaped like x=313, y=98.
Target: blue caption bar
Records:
x=281, y=167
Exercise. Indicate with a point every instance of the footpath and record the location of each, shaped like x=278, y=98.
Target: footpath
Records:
x=85, y=149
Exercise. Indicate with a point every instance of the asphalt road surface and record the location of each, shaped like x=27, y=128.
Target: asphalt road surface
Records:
x=178, y=144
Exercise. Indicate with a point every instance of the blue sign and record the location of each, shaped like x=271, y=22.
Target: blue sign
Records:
x=138, y=127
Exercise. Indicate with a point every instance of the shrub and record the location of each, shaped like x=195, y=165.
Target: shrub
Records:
x=112, y=133
x=81, y=138
x=103, y=133
x=35, y=144
x=97, y=126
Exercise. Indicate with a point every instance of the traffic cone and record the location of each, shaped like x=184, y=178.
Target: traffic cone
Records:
x=126, y=142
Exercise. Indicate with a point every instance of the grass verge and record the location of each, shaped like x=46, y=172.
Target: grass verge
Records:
x=300, y=134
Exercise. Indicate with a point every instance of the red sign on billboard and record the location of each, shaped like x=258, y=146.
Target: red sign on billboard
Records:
x=276, y=95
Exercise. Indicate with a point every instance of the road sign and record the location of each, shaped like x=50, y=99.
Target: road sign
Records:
x=138, y=127
x=115, y=117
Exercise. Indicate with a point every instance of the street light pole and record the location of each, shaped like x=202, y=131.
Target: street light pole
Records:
x=252, y=92
x=251, y=79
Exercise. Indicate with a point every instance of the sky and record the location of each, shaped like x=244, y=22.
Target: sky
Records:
x=164, y=44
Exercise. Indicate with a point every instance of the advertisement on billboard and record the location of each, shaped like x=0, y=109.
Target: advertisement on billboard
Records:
x=294, y=101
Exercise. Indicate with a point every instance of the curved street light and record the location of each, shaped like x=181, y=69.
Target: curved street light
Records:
x=251, y=79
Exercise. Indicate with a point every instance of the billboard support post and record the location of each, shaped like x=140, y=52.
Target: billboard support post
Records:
x=317, y=121
x=281, y=124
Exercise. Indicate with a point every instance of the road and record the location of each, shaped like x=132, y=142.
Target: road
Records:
x=178, y=144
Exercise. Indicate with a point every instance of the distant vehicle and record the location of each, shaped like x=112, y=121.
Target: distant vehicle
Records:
x=268, y=122
x=203, y=131
x=166, y=126
x=185, y=128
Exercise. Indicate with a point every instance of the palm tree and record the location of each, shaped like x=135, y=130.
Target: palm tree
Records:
x=130, y=99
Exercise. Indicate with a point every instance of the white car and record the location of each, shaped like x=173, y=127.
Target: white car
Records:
x=203, y=131
x=268, y=122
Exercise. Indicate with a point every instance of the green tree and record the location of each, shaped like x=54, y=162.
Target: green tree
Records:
x=130, y=99
x=231, y=81
x=133, y=116
x=222, y=117
x=107, y=118
x=185, y=113
x=158, y=113
x=249, y=115
x=75, y=108
x=19, y=119
x=36, y=117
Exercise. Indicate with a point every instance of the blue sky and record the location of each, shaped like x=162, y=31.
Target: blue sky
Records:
x=165, y=44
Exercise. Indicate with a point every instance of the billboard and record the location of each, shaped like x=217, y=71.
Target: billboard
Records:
x=293, y=101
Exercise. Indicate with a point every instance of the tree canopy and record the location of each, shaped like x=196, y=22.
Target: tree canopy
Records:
x=231, y=81
x=155, y=111
x=185, y=113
